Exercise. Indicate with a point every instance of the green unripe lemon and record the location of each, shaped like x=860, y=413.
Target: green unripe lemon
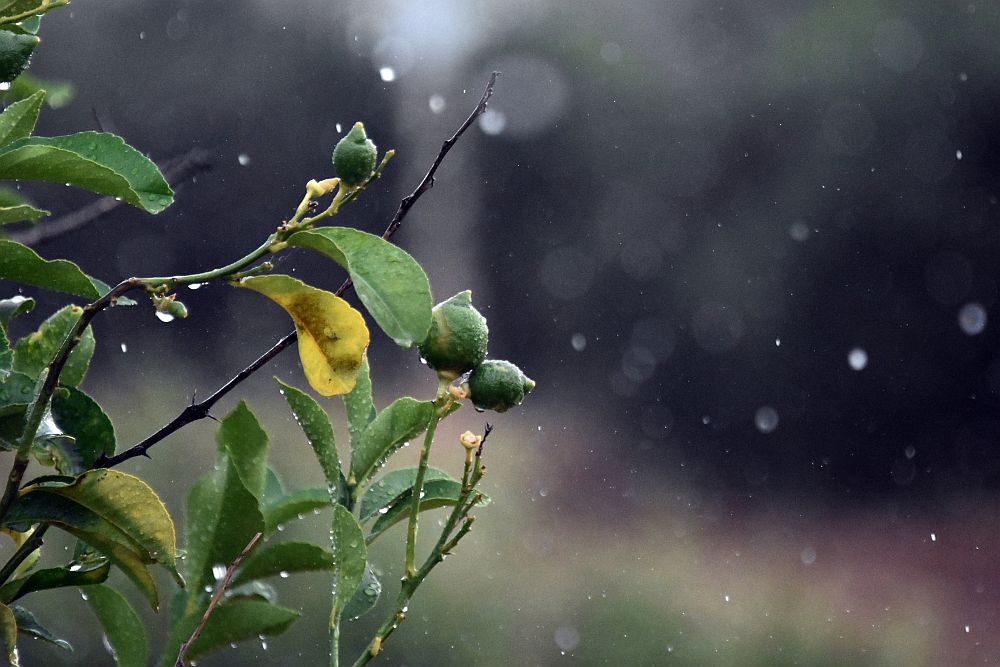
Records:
x=457, y=339
x=498, y=385
x=354, y=156
x=176, y=309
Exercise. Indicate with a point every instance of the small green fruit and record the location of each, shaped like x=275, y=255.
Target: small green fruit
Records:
x=456, y=342
x=177, y=309
x=498, y=385
x=354, y=156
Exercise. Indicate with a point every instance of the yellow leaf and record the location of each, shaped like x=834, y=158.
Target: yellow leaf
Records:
x=332, y=335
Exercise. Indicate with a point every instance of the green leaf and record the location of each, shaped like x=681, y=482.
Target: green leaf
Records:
x=274, y=490
x=241, y=438
x=238, y=620
x=223, y=515
x=96, y=161
x=122, y=626
x=127, y=503
x=358, y=402
x=8, y=633
x=390, y=486
x=350, y=559
x=437, y=493
x=21, y=264
x=55, y=577
x=282, y=510
x=35, y=352
x=332, y=335
x=11, y=214
x=386, y=278
x=18, y=120
x=6, y=355
x=28, y=625
x=254, y=590
x=12, y=307
x=16, y=47
x=404, y=419
x=79, y=416
x=36, y=505
x=319, y=432
x=283, y=558
x=365, y=597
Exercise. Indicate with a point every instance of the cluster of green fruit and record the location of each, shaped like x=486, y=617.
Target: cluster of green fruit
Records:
x=456, y=344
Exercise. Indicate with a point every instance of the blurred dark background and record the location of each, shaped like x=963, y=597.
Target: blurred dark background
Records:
x=747, y=250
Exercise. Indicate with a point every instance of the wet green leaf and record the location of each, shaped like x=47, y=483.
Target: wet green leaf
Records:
x=350, y=559
x=35, y=352
x=223, y=515
x=127, y=503
x=16, y=47
x=404, y=419
x=390, y=486
x=365, y=598
x=55, y=577
x=21, y=264
x=279, y=511
x=27, y=624
x=389, y=282
x=332, y=335
x=284, y=557
x=79, y=416
x=358, y=402
x=437, y=493
x=122, y=626
x=18, y=120
x=241, y=619
x=319, y=432
x=243, y=441
x=12, y=307
x=95, y=161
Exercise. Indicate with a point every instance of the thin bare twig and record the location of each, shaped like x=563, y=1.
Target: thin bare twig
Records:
x=197, y=411
x=175, y=171
x=216, y=598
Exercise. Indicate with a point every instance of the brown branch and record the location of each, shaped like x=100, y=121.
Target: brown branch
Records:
x=216, y=598
x=175, y=171
x=197, y=411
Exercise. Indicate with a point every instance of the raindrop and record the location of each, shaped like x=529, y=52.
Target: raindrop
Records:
x=579, y=342
x=967, y=628
x=283, y=574
x=492, y=122
x=384, y=510
x=218, y=571
x=726, y=598
x=436, y=103
x=142, y=34
x=808, y=556
x=5, y=85
x=611, y=53
x=196, y=285
x=83, y=596
x=933, y=537
x=972, y=319
x=958, y=155
x=910, y=451
x=164, y=317
x=857, y=359
x=387, y=74
x=766, y=419
x=76, y=567
x=243, y=159
x=339, y=128
x=799, y=231
x=566, y=637
x=124, y=348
